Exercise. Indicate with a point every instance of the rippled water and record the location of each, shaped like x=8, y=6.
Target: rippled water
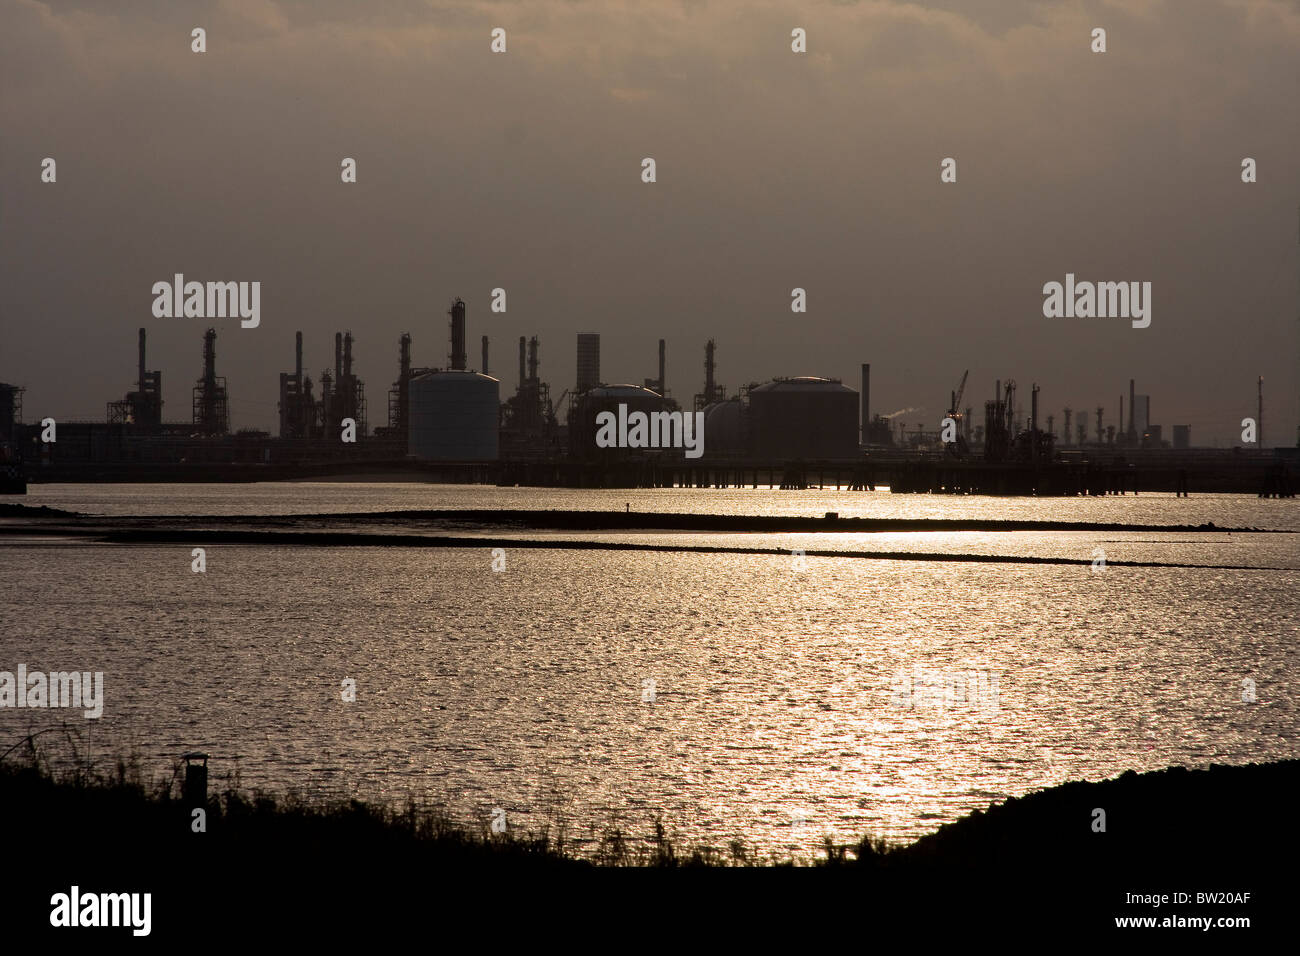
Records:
x=773, y=688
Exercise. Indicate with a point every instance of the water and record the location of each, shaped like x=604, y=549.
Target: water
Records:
x=774, y=714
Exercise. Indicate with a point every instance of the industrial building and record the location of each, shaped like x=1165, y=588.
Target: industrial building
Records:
x=803, y=418
x=299, y=414
x=607, y=398
x=874, y=431
x=588, y=361
x=725, y=429
x=452, y=423
x=659, y=384
x=343, y=395
x=713, y=391
x=11, y=411
x=529, y=428
x=143, y=407
x=210, y=406
x=454, y=416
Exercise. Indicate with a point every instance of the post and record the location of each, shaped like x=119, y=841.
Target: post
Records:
x=195, y=791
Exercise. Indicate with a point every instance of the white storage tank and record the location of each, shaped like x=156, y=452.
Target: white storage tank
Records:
x=454, y=416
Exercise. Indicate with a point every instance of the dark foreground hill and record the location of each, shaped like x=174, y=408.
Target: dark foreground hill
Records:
x=1043, y=861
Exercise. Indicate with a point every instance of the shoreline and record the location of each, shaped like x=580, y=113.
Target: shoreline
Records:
x=591, y=520
x=459, y=529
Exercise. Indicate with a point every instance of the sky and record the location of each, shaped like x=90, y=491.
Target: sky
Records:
x=774, y=170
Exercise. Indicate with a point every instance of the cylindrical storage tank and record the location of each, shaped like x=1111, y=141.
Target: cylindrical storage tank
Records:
x=608, y=398
x=724, y=428
x=803, y=418
x=454, y=416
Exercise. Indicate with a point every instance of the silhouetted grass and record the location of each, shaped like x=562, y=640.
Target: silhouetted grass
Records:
x=1165, y=815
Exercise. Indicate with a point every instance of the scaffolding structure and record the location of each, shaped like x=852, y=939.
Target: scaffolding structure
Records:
x=210, y=407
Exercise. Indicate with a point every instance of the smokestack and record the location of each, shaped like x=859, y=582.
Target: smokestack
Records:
x=1132, y=410
x=347, y=355
x=485, y=355
x=297, y=363
x=338, y=356
x=708, y=371
x=534, y=358
x=662, y=390
x=457, y=313
x=1259, y=418
x=210, y=357
x=1033, y=422
x=523, y=345
x=866, y=400
x=140, y=386
x=404, y=383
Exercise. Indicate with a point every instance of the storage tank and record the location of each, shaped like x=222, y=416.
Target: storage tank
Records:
x=805, y=417
x=454, y=416
x=724, y=427
x=607, y=398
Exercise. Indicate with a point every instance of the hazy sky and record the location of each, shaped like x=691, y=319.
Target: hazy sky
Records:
x=775, y=170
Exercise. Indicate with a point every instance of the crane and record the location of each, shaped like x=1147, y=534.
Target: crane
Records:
x=956, y=396
x=958, y=447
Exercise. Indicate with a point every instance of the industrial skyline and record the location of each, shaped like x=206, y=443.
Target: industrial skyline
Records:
x=470, y=178
x=300, y=412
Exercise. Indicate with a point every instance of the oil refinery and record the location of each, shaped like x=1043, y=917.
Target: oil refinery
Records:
x=451, y=423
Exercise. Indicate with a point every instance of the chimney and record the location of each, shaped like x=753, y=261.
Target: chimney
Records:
x=140, y=386
x=347, y=355
x=210, y=357
x=338, y=356
x=523, y=345
x=1132, y=410
x=534, y=346
x=662, y=390
x=297, y=364
x=484, y=370
x=1259, y=415
x=866, y=400
x=457, y=313
x=708, y=371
